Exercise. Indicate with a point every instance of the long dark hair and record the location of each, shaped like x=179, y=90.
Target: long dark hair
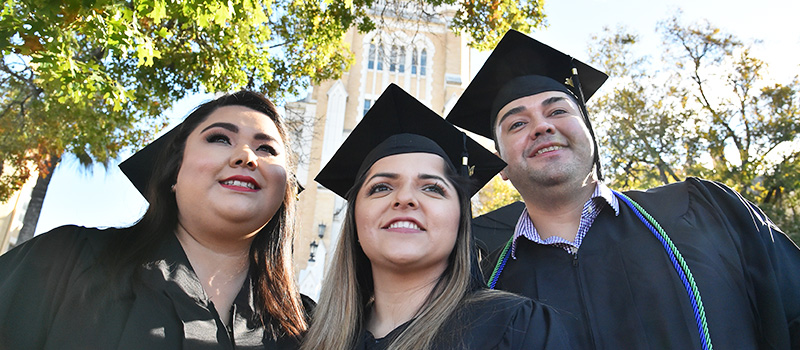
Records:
x=277, y=301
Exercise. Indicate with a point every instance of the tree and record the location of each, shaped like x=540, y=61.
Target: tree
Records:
x=708, y=111
x=92, y=77
x=496, y=194
x=642, y=136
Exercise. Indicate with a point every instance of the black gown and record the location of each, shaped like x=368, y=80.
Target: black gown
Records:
x=53, y=295
x=621, y=291
x=503, y=323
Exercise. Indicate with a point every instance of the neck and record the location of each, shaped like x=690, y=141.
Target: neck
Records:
x=221, y=270
x=398, y=298
x=556, y=211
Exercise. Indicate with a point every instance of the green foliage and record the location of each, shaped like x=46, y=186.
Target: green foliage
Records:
x=707, y=112
x=487, y=20
x=89, y=76
x=496, y=194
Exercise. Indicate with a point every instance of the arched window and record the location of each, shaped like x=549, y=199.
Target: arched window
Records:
x=423, y=61
x=401, y=60
x=414, y=62
x=371, y=59
x=393, y=59
x=367, y=105
x=380, y=57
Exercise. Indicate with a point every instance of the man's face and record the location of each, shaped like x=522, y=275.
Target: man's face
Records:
x=544, y=140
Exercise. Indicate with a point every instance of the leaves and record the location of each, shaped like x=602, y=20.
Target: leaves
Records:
x=707, y=112
x=496, y=194
x=93, y=77
x=485, y=21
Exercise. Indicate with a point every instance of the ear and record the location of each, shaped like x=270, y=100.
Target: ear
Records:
x=503, y=174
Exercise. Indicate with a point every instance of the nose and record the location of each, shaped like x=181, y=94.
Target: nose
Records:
x=244, y=158
x=405, y=198
x=542, y=127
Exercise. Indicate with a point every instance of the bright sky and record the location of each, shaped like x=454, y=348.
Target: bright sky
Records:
x=105, y=198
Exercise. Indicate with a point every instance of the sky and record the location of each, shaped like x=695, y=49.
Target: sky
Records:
x=103, y=197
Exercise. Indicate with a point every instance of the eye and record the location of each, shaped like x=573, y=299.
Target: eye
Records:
x=515, y=125
x=218, y=138
x=435, y=188
x=558, y=112
x=267, y=148
x=377, y=188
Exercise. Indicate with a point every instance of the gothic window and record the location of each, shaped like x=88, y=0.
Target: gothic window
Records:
x=393, y=59
x=401, y=60
x=371, y=59
x=423, y=61
x=367, y=105
x=380, y=57
x=414, y=62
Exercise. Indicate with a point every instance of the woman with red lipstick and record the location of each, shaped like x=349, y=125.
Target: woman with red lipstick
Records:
x=404, y=273
x=207, y=267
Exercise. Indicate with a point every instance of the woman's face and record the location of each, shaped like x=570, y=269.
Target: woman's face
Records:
x=233, y=174
x=407, y=213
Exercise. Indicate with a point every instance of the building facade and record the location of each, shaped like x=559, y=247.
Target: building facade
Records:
x=424, y=58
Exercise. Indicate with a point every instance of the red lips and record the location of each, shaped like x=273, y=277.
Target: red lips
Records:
x=240, y=183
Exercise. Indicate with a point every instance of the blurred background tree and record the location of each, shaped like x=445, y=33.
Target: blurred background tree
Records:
x=496, y=194
x=92, y=77
x=707, y=110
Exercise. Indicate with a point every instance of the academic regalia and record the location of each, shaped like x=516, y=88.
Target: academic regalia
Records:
x=398, y=124
x=55, y=295
x=620, y=291
x=505, y=322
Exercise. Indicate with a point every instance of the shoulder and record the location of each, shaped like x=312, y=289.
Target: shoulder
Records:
x=496, y=305
x=37, y=276
x=63, y=239
x=693, y=194
x=493, y=319
x=65, y=247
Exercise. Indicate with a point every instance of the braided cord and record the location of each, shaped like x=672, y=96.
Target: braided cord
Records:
x=680, y=267
x=501, y=263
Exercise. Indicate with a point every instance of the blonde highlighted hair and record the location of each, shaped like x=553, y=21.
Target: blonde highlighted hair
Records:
x=348, y=285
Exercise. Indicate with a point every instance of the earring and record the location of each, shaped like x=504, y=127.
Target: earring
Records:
x=172, y=188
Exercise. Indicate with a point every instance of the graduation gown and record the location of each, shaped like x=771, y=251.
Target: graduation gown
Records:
x=502, y=323
x=622, y=292
x=53, y=295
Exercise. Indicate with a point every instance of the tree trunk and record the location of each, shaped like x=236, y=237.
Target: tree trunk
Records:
x=35, y=205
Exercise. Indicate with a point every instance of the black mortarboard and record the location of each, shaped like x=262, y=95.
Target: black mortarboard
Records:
x=398, y=123
x=520, y=66
x=140, y=166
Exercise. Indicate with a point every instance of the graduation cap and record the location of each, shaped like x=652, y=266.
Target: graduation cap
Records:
x=520, y=66
x=140, y=166
x=398, y=123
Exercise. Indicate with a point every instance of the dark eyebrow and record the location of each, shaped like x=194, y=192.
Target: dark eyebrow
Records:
x=519, y=109
x=389, y=175
x=552, y=100
x=233, y=128
x=227, y=126
x=263, y=137
x=433, y=177
x=510, y=112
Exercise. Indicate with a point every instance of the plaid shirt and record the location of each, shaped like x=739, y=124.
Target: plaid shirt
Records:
x=602, y=195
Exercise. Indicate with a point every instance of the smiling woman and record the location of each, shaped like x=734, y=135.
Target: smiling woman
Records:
x=208, y=266
x=404, y=273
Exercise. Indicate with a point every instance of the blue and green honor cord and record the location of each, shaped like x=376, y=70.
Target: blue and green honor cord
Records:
x=672, y=251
